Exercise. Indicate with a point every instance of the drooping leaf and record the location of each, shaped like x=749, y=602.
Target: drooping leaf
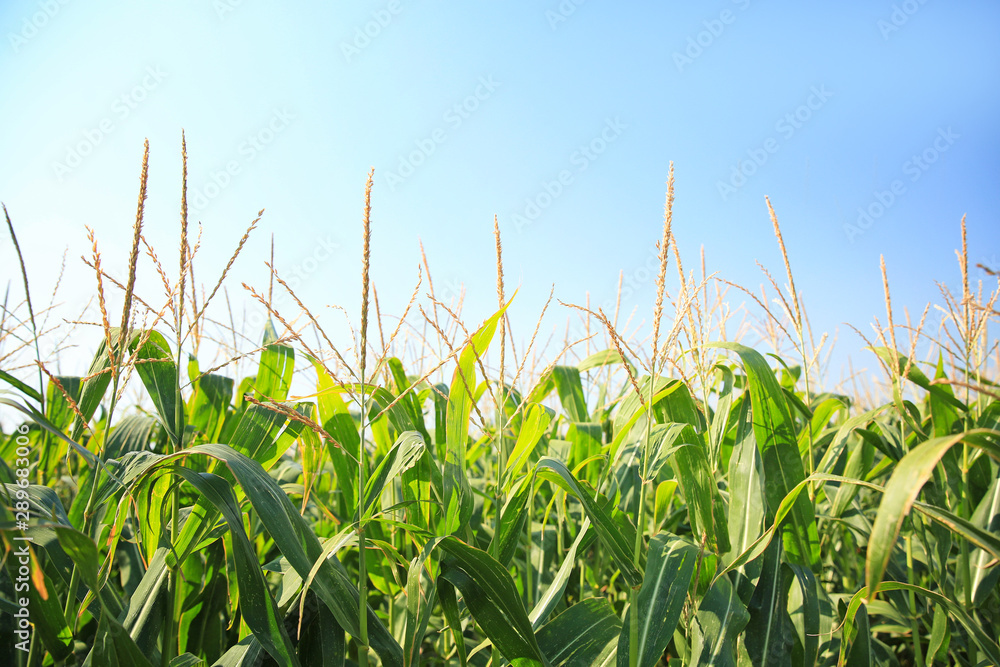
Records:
x=620, y=544
x=903, y=488
x=491, y=596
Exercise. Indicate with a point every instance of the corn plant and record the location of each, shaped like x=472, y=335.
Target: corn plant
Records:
x=673, y=498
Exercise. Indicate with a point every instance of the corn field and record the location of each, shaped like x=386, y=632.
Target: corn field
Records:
x=669, y=497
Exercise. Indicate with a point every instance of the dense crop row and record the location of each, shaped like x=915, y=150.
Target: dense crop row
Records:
x=671, y=499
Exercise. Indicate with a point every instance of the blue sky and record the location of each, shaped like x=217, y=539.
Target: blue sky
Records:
x=559, y=118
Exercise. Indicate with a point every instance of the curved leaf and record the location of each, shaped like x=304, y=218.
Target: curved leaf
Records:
x=908, y=478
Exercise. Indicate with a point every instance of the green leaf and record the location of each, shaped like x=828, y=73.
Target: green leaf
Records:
x=83, y=551
x=669, y=571
x=133, y=433
x=537, y=420
x=246, y=653
x=840, y=439
x=158, y=372
x=20, y=386
x=746, y=496
x=570, y=389
x=491, y=596
x=661, y=445
x=410, y=401
x=939, y=628
x=720, y=619
x=603, y=358
x=257, y=606
x=917, y=377
x=57, y=408
x=632, y=409
x=277, y=363
x=294, y=537
x=449, y=603
x=99, y=374
x=767, y=635
x=859, y=462
x=987, y=517
x=861, y=647
x=114, y=646
x=401, y=456
x=705, y=505
x=510, y=528
x=207, y=411
x=584, y=635
x=908, y=478
x=620, y=545
x=723, y=409
x=804, y=611
x=774, y=431
x=975, y=629
x=458, y=502
x=418, y=607
x=44, y=611
x=553, y=594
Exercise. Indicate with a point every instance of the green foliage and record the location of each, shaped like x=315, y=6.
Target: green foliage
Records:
x=730, y=516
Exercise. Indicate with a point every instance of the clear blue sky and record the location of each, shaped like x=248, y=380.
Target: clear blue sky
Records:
x=467, y=110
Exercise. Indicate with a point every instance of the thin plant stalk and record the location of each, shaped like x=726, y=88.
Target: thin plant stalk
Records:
x=501, y=449
x=174, y=590
x=31, y=310
x=362, y=472
x=654, y=367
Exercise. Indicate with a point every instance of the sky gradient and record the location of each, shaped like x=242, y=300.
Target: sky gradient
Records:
x=872, y=127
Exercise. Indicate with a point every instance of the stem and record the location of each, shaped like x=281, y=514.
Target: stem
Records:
x=527, y=552
x=503, y=460
x=914, y=624
x=34, y=657
x=362, y=472
x=174, y=603
x=362, y=563
x=70, y=610
x=168, y=626
x=633, y=654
